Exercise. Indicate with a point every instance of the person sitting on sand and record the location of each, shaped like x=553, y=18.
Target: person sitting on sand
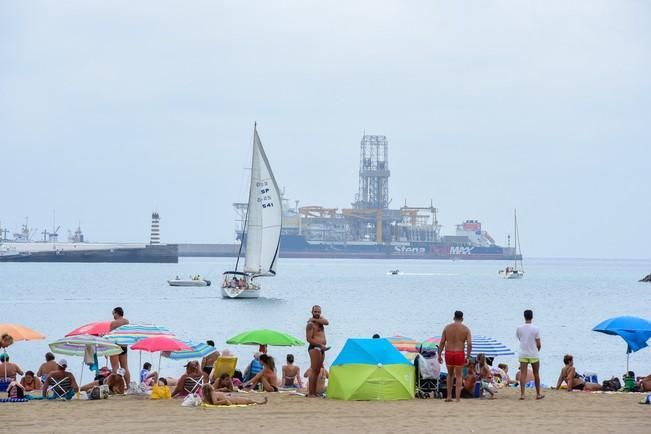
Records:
x=191, y=381
x=115, y=383
x=224, y=383
x=61, y=382
x=254, y=367
x=644, y=383
x=573, y=380
x=486, y=376
x=145, y=372
x=291, y=374
x=267, y=377
x=47, y=367
x=469, y=380
x=15, y=390
x=214, y=397
x=9, y=370
x=30, y=382
x=321, y=380
x=160, y=390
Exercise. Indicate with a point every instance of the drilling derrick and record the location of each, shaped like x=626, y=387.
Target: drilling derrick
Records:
x=374, y=173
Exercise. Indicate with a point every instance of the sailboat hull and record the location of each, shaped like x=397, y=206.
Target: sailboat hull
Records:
x=240, y=293
x=511, y=274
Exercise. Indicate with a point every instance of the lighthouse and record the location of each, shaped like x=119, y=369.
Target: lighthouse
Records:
x=155, y=228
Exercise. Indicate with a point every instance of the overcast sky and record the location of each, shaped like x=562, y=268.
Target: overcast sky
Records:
x=109, y=110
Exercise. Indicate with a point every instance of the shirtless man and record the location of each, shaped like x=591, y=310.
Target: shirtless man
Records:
x=8, y=369
x=454, y=338
x=121, y=360
x=315, y=336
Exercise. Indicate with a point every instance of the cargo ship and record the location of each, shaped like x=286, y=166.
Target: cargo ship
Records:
x=369, y=229
x=23, y=248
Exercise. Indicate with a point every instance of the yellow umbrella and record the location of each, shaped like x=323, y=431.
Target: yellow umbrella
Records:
x=19, y=332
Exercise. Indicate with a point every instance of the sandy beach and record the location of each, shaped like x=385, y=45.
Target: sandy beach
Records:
x=560, y=411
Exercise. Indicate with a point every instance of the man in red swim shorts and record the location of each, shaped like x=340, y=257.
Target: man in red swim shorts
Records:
x=454, y=338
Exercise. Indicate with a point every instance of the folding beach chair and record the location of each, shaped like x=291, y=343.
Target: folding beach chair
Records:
x=61, y=389
x=224, y=365
x=192, y=385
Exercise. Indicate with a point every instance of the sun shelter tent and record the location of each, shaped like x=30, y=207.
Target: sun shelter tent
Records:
x=371, y=370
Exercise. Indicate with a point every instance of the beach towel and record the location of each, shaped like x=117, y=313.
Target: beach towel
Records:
x=204, y=405
x=646, y=399
x=14, y=399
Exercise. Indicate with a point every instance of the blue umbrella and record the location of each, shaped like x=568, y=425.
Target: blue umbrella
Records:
x=198, y=350
x=489, y=346
x=634, y=330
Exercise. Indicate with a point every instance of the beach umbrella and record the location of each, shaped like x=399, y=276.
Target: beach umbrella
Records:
x=99, y=328
x=403, y=343
x=20, y=332
x=265, y=337
x=131, y=333
x=196, y=351
x=489, y=346
x=371, y=370
x=83, y=345
x=634, y=330
x=160, y=344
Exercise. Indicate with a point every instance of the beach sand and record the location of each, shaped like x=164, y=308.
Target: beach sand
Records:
x=560, y=411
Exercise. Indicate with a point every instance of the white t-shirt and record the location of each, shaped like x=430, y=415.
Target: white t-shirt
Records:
x=527, y=334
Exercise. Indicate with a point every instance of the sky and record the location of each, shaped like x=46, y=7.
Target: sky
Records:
x=109, y=110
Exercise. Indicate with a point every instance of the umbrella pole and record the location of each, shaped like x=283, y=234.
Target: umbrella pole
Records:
x=159, y=357
x=139, y=359
x=628, y=359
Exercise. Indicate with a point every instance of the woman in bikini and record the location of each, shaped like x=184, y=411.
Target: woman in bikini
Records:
x=267, y=377
x=213, y=397
x=573, y=380
x=291, y=374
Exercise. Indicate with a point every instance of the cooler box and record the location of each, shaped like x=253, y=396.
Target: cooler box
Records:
x=590, y=377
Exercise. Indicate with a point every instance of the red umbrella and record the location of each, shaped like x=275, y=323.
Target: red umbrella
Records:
x=160, y=343
x=99, y=328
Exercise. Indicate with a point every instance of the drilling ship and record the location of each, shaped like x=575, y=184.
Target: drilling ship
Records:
x=370, y=229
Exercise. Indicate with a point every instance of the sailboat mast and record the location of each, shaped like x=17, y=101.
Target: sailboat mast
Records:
x=515, y=233
x=246, y=214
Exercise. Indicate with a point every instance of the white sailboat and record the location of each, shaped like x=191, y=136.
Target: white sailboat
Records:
x=514, y=272
x=261, y=233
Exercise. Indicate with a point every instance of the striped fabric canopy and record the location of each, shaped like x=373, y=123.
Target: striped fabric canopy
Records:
x=403, y=343
x=131, y=333
x=489, y=346
x=76, y=346
x=198, y=350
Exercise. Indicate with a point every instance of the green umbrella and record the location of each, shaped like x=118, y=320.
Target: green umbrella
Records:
x=265, y=337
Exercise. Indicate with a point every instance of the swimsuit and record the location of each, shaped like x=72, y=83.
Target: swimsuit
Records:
x=455, y=358
x=124, y=349
x=207, y=369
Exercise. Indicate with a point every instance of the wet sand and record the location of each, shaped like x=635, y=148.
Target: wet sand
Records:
x=560, y=411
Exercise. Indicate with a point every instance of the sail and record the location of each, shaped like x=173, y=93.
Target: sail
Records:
x=264, y=215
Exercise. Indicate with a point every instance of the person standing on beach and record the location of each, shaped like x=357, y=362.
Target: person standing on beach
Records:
x=121, y=360
x=316, y=338
x=529, y=337
x=456, y=337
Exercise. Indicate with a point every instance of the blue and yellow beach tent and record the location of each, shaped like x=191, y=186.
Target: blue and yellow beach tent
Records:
x=371, y=370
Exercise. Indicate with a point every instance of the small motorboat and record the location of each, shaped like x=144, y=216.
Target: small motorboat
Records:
x=394, y=272
x=194, y=281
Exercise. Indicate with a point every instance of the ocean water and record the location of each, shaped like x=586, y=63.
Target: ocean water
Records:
x=359, y=298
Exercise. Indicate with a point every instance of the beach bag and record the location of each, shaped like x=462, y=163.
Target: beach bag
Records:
x=612, y=385
x=99, y=392
x=191, y=400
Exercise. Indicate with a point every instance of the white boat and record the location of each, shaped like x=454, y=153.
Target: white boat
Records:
x=188, y=282
x=514, y=272
x=262, y=225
